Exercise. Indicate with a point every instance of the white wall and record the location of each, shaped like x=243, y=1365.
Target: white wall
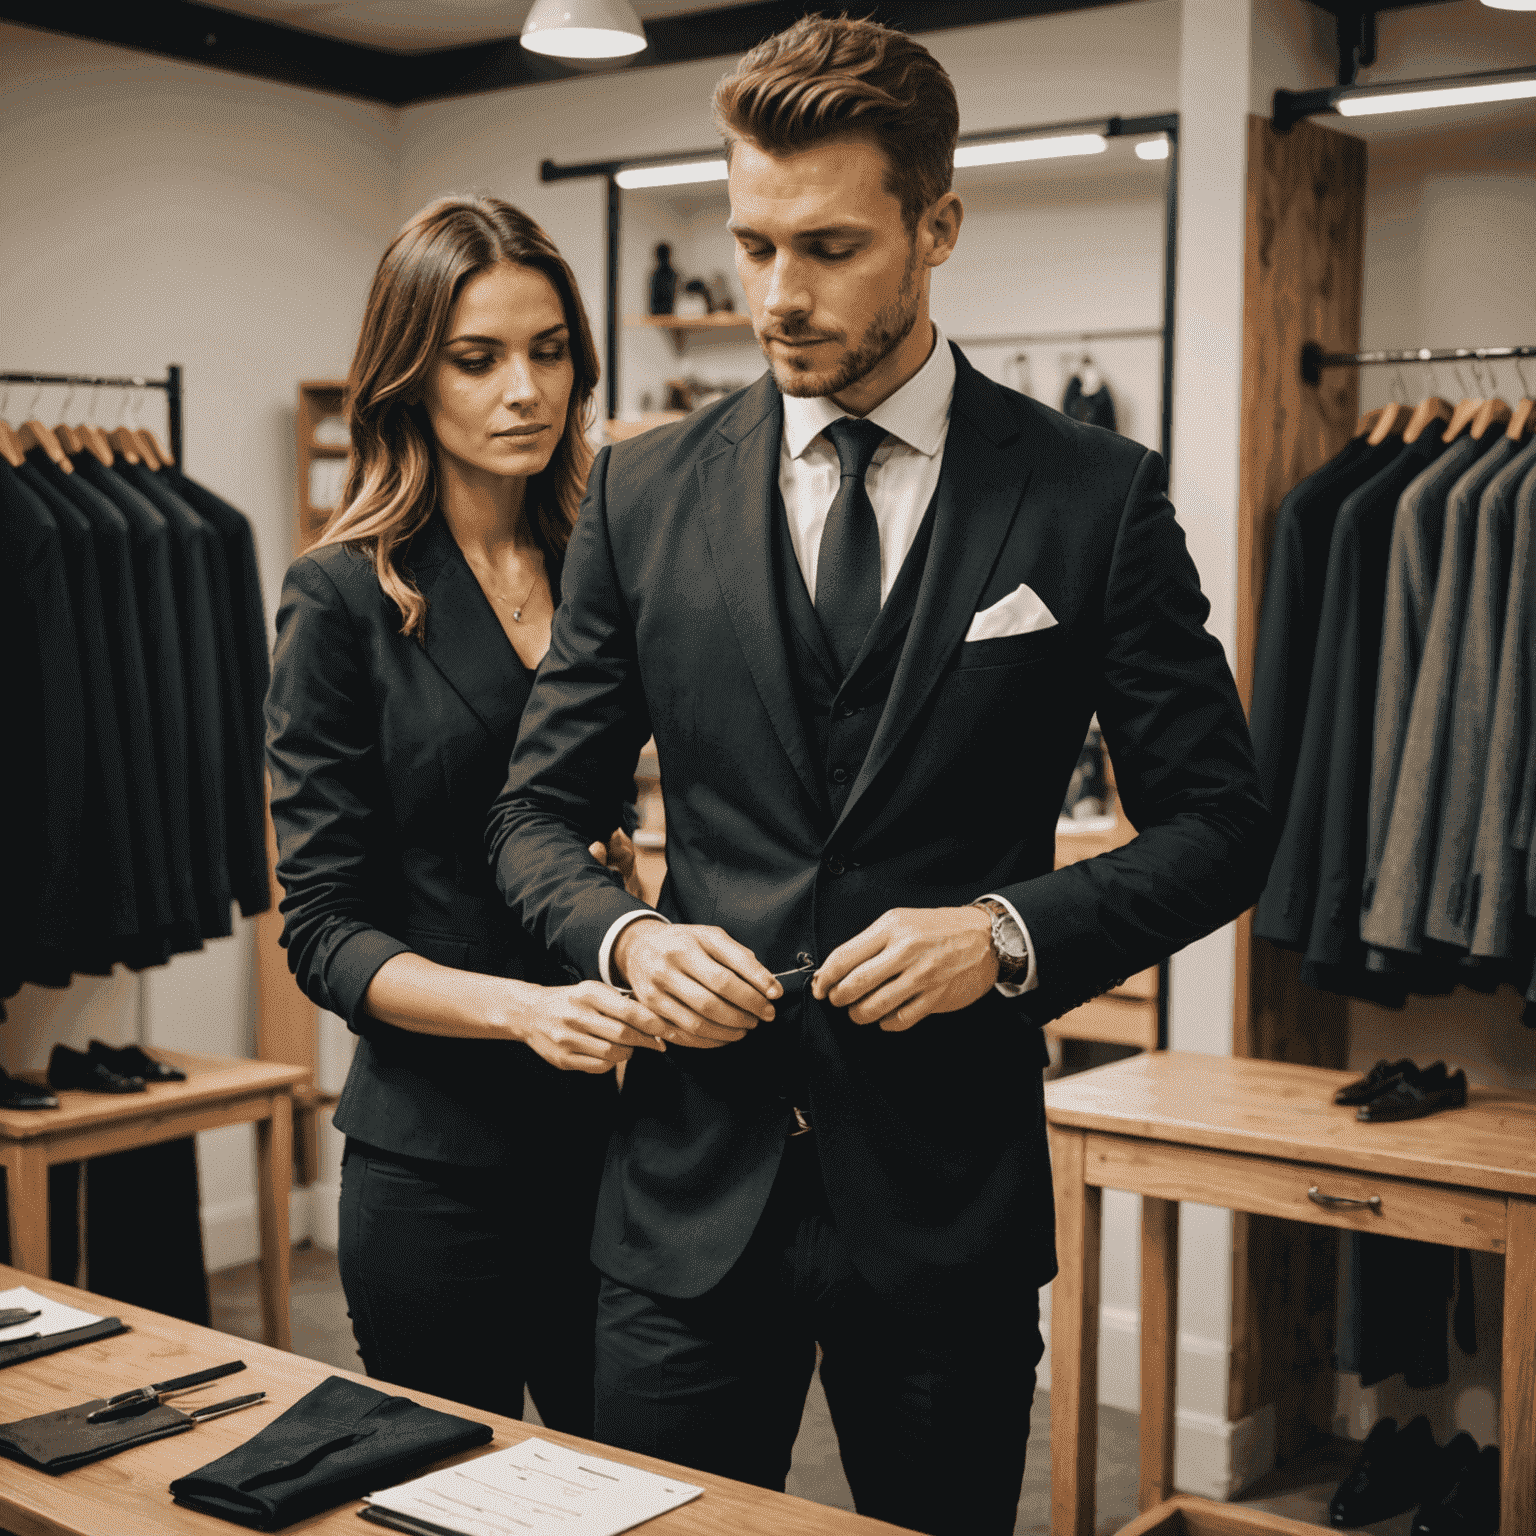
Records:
x=156, y=212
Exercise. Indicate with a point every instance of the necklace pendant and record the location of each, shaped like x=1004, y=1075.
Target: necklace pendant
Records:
x=517, y=615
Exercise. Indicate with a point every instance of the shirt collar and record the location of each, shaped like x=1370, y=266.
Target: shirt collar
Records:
x=917, y=414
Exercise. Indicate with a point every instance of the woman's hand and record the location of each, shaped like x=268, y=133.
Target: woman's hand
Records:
x=587, y=1028
x=619, y=853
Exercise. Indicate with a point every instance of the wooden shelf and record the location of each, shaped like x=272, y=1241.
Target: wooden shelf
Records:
x=681, y=328
x=329, y=450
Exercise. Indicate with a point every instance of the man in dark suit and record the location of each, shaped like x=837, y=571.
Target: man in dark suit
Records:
x=867, y=607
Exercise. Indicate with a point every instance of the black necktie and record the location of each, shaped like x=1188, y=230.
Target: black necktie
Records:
x=848, y=565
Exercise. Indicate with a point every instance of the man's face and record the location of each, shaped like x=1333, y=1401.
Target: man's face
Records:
x=835, y=280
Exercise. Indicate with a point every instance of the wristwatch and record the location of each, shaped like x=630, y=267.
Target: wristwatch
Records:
x=1008, y=944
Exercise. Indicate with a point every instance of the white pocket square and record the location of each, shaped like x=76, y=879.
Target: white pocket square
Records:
x=1020, y=613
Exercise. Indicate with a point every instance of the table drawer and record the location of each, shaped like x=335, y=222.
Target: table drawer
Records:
x=1265, y=1186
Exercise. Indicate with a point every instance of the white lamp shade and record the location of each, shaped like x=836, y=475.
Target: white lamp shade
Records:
x=583, y=29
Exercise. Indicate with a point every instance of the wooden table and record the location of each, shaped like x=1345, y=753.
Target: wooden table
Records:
x=1266, y=1137
x=219, y=1091
x=126, y=1494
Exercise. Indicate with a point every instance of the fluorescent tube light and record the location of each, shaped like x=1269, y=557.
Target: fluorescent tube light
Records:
x=583, y=29
x=1511, y=5
x=1515, y=86
x=1153, y=149
x=675, y=175
x=1006, y=151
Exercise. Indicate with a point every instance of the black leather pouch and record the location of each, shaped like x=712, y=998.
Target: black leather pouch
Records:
x=29, y=1349
x=61, y=1441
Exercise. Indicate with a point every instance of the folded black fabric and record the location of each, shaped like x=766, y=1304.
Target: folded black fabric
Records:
x=336, y=1443
x=61, y=1441
x=29, y=1349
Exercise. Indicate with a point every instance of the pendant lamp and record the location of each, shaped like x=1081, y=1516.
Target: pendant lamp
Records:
x=583, y=29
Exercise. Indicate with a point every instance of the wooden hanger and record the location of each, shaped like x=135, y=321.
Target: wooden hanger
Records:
x=34, y=434
x=1521, y=419
x=85, y=438
x=124, y=442
x=149, y=446
x=1461, y=418
x=1369, y=420
x=1492, y=413
x=10, y=446
x=1390, y=421
x=1431, y=409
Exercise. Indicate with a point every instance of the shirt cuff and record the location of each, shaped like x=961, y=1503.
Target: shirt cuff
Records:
x=605, y=954
x=1031, y=979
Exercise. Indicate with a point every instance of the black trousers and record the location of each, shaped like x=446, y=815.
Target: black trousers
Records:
x=472, y=1282
x=931, y=1413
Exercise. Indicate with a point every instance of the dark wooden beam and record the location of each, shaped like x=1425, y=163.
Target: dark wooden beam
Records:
x=203, y=34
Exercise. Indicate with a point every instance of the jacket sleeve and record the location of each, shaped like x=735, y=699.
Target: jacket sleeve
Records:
x=572, y=769
x=327, y=795
x=1184, y=768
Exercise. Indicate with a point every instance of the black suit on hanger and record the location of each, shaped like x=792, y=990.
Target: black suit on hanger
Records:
x=45, y=702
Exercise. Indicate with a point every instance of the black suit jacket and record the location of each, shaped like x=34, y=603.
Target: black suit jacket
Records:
x=932, y=1141
x=385, y=755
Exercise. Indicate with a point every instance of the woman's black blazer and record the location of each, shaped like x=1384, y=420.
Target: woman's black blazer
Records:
x=385, y=755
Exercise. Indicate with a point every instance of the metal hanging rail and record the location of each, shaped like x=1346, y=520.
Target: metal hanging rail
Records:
x=171, y=384
x=1046, y=338
x=1314, y=359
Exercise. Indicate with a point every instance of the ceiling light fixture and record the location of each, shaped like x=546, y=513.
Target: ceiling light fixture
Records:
x=1416, y=96
x=1153, y=149
x=1511, y=5
x=1006, y=151
x=674, y=175
x=583, y=29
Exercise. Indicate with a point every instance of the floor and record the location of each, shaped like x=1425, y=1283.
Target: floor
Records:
x=321, y=1332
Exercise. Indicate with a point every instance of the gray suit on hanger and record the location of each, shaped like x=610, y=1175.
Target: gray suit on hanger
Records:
x=1450, y=915
x=1503, y=826
x=1393, y=917
x=1412, y=567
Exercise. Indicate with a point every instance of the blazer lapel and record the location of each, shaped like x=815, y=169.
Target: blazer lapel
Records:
x=464, y=638
x=980, y=489
x=737, y=496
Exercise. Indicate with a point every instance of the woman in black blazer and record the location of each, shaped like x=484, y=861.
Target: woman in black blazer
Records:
x=478, y=1102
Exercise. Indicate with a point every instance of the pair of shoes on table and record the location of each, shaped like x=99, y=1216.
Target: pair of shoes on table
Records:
x=18, y=1094
x=109, y=1069
x=1455, y=1487
x=1400, y=1090
x=135, y=1061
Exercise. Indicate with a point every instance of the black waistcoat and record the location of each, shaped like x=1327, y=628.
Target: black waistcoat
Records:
x=839, y=714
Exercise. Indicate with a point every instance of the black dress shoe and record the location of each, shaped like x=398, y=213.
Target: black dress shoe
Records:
x=1412, y=1100
x=74, y=1069
x=1381, y=1077
x=1452, y=1464
x=1470, y=1507
x=1389, y=1476
x=135, y=1061
x=16, y=1094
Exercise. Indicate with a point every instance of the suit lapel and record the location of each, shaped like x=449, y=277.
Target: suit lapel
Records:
x=737, y=496
x=464, y=639
x=980, y=489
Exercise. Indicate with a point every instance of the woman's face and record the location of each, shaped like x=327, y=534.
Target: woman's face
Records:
x=499, y=389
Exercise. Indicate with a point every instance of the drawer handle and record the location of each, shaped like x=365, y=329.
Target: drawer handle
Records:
x=1343, y=1202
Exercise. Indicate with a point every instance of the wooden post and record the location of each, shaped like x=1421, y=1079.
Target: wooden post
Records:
x=1159, y=1346
x=1074, y=1339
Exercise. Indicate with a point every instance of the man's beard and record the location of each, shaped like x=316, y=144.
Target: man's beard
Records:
x=890, y=327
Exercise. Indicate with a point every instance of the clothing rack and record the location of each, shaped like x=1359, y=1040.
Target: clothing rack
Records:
x=171, y=384
x=1314, y=359
x=1045, y=338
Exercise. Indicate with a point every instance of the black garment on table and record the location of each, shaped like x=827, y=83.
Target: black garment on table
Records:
x=1097, y=409
x=1292, y=610
x=107, y=908
x=719, y=1381
x=44, y=707
x=248, y=868
x=19, y=1351
x=336, y=1443
x=208, y=674
x=466, y=1285
x=114, y=554
x=160, y=630
x=1312, y=900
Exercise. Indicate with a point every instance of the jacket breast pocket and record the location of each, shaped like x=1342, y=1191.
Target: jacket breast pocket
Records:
x=1009, y=650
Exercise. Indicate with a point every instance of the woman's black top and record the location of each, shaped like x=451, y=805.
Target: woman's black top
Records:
x=385, y=754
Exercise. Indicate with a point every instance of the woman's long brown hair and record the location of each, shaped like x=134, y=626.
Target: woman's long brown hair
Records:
x=391, y=487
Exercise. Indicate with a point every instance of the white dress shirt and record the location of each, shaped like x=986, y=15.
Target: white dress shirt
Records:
x=901, y=481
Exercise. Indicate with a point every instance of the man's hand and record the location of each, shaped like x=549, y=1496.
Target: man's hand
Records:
x=707, y=989
x=619, y=853
x=912, y=962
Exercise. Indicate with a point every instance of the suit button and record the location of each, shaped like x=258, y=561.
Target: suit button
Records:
x=835, y=865
x=840, y=775
x=846, y=712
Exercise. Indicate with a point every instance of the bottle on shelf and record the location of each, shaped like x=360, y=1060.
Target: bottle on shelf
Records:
x=663, y=282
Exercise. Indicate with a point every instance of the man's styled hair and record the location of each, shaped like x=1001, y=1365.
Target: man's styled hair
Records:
x=825, y=77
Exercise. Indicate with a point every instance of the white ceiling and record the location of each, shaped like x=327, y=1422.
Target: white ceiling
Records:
x=416, y=26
